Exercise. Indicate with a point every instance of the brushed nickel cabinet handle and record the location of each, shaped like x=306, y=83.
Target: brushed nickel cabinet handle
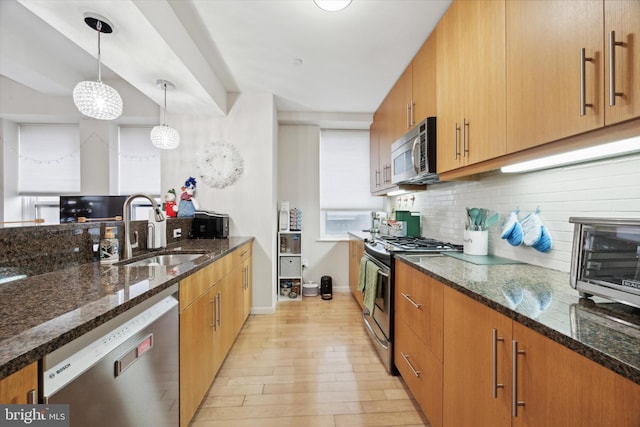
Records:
x=583, y=84
x=32, y=397
x=215, y=312
x=456, y=131
x=612, y=68
x=406, y=359
x=408, y=298
x=514, y=377
x=408, y=116
x=494, y=382
x=465, y=137
x=218, y=316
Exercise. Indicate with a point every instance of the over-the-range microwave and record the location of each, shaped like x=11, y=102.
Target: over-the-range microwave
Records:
x=413, y=156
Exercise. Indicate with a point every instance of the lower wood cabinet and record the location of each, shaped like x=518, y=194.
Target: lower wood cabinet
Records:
x=482, y=349
x=356, y=252
x=21, y=387
x=475, y=394
x=214, y=304
x=555, y=387
x=418, y=337
x=421, y=370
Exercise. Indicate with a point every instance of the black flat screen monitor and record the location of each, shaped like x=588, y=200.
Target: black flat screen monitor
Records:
x=74, y=207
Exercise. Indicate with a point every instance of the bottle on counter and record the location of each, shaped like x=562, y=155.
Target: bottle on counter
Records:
x=109, y=252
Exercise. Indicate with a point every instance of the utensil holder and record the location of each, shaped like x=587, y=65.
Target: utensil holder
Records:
x=476, y=242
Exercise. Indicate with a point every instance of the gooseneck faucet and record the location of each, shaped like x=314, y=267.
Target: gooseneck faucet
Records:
x=126, y=211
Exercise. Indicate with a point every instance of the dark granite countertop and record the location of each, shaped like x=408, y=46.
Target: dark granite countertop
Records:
x=606, y=332
x=41, y=313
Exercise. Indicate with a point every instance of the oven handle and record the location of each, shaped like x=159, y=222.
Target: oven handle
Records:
x=382, y=342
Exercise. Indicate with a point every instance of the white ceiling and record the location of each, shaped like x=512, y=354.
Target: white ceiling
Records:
x=209, y=48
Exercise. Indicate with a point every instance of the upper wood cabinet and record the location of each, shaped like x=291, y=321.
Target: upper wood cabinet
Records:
x=471, y=84
x=423, y=81
x=622, y=54
x=547, y=83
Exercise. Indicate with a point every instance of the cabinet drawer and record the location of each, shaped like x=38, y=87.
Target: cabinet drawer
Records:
x=241, y=254
x=419, y=303
x=421, y=370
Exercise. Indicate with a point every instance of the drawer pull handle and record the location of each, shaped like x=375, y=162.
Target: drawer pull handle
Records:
x=406, y=359
x=408, y=298
x=514, y=392
x=495, y=384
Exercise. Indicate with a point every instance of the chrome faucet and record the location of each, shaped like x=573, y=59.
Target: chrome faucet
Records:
x=126, y=211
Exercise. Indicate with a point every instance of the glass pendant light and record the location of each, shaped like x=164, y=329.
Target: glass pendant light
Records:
x=94, y=98
x=163, y=136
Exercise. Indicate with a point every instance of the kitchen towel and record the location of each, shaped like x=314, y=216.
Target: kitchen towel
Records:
x=370, y=286
x=363, y=274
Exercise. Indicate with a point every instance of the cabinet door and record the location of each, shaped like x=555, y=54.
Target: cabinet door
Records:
x=421, y=370
x=375, y=174
x=561, y=388
x=356, y=251
x=226, y=307
x=21, y=387
x=623, y=18
x=472, y=371
x=419, y=304
x=424, y=81
x=401, y=104
x=247, y=289
x=197, y=335
x=471, y=84
x=449, y=89
x=544, y=40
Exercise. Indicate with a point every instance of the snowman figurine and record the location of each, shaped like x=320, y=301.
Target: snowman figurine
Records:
x=170, y=206
x=188, y=204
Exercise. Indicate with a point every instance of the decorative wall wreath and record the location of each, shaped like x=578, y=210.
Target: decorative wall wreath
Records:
x=220, y=165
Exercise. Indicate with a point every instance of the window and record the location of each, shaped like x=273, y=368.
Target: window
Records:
x=139, y=162
x=49, y=159
x=345, y=200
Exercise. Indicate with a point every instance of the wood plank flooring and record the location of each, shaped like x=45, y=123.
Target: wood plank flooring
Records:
x=311, y=364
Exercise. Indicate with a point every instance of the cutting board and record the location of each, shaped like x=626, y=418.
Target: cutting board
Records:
x=482, y=259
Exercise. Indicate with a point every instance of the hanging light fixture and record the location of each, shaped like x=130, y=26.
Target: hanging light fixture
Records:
x=163, y=136
x=332, y=5
x=94, y=98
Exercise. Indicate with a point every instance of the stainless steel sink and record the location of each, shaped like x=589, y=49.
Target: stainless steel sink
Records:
x=165, y=259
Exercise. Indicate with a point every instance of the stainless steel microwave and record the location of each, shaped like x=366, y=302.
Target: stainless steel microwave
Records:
x=605, y=259
x=413, y=157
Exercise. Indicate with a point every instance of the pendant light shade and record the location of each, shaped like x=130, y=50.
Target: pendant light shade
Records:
x=163, y=136
x=94, y=98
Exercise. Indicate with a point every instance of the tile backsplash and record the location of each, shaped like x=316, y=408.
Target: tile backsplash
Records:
x=607, y=188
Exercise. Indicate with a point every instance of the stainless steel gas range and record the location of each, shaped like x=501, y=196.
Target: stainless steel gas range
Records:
x=381, y=251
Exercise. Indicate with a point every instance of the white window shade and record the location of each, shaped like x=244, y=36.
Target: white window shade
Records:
x=139, y=162
x=49, y=160
x=344, y=171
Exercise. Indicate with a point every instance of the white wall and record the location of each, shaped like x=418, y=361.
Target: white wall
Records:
x=251, y=200
x=298, y=182
x=609, y=188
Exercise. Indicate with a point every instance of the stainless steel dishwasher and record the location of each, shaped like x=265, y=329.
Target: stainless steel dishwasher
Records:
x=123, y=373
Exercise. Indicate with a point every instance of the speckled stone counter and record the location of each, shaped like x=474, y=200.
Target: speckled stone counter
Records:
x=603, y=331
x=41, y=313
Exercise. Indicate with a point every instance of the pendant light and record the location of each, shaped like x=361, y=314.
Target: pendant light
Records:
x=94, y=98
x=163, y=136
x=332, y=5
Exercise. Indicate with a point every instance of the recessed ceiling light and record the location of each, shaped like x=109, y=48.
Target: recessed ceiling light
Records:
x=297, y=61
x=332, y=5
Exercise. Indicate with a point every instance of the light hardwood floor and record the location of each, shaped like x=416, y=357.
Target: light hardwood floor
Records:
x=310, y=364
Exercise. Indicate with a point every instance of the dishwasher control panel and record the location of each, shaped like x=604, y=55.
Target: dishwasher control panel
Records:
x=67, y=370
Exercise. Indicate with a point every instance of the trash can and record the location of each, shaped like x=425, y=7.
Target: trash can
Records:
x=326, y=288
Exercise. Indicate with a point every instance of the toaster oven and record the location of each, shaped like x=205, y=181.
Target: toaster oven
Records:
x=605, y=258
x=209, y=225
